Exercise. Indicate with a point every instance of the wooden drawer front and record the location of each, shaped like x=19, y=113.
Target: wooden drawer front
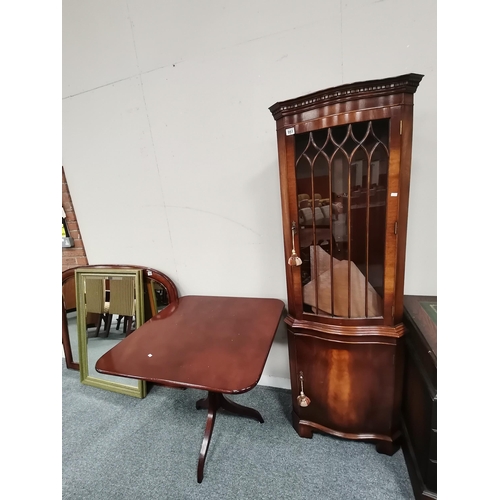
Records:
x=422, y=355
x=433, y=447
x=417, y=410
x=431, y=477
x=434, y=413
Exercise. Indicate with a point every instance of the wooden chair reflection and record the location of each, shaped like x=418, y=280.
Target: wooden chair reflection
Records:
x=95, y=303
x=122, y=303
x=156, y=298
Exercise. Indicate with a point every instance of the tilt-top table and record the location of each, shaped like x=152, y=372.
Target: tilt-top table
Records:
x=217, y=344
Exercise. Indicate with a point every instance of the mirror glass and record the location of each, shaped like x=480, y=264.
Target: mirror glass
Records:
x=69, y=310
x=155, y=298
x=109, y=306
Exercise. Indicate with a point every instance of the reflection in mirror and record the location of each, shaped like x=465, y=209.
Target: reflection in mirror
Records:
x=73, y=332
x=106, y=298
x=69, y=325
x=156, y=297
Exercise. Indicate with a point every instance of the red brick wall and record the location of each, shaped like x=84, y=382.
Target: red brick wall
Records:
x=74, y=256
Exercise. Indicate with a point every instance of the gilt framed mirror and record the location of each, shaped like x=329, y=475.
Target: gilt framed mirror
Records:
x=109, y=306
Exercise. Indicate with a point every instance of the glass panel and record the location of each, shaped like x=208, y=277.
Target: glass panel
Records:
x=341, y=177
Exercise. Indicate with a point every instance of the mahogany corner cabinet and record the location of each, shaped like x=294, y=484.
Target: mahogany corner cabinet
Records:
x=344, y=158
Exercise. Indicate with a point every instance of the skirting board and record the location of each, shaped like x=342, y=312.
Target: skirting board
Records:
x=278, y=382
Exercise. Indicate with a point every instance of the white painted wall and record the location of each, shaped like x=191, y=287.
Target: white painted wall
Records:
x=169, y=148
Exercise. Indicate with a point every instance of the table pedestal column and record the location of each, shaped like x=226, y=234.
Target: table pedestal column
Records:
x=213, y=402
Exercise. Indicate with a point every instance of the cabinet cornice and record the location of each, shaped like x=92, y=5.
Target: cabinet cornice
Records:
x=405, y=84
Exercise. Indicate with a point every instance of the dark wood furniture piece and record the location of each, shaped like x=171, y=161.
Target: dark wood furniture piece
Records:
x=217, y=344
x=419, y=406
x=344, y=158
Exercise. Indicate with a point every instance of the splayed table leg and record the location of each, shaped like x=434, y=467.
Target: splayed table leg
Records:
x=213, y=402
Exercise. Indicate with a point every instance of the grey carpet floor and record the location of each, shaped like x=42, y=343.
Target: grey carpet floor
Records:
x=119, y=447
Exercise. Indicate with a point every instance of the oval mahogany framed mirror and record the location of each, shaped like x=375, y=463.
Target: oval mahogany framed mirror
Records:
x=159, y=291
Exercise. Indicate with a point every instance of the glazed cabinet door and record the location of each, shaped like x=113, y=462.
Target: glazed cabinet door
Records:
x=343, y=206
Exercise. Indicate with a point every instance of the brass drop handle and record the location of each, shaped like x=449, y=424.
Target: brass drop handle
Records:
x=294, y=259
x=302, y=398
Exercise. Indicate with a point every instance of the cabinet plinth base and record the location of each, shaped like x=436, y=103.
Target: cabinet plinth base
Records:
x=384, y=445
x=388, y=447
x=303, y=429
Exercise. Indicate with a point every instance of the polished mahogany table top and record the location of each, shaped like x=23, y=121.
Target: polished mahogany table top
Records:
x=217, y=344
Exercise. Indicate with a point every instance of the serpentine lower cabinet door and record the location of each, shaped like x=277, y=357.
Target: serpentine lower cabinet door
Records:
x=344, y=157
